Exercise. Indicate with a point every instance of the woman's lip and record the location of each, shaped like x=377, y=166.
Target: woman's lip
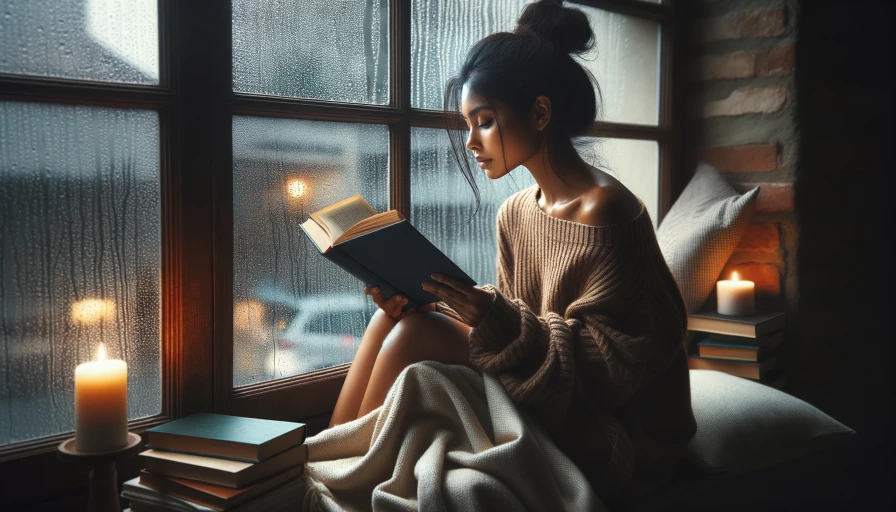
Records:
x=480, y=159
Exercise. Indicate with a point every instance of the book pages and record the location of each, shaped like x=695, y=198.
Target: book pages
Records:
x=337, y=218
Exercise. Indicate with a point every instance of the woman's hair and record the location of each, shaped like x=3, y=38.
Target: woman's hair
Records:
x=517, y=67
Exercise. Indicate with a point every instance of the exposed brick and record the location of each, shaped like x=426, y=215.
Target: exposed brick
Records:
x=776, y=61
x=773, y=197
x=747, y=100
x=761, y=237
x=766, y=276
x=740, y=25
x=732, y=65
x=750, y=158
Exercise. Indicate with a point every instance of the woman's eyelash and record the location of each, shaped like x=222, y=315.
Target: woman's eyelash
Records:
x=486, y=124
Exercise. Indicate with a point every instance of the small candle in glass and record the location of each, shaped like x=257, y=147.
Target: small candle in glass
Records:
x=736, y=297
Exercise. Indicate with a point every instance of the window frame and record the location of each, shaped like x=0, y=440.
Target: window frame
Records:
x=195, y=102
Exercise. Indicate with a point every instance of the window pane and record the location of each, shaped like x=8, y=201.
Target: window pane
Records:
x=633, y=162
x=441, y=33
x=103, y=40
x=442, y=203
x=625, y=59
x=335, y=50
x=293, y=310
x=80, y=246
x=625, y=62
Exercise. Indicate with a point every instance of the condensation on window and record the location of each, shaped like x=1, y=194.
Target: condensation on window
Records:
x=101, y=40
x=293, y=310
x=335, y=50
x=80, y=245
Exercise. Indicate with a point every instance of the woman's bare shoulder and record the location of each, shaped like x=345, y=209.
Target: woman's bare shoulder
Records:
x=608, y=204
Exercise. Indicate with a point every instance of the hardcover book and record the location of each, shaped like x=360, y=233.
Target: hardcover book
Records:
x=215, y=496
x=233, y=437
x=224, y=472
x=723, y=350
x=380, y=249
x=145, y=499
x=755, y=370
x=750, y=326
x=766, y=341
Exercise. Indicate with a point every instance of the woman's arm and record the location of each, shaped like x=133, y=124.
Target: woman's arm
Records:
x=536, y=357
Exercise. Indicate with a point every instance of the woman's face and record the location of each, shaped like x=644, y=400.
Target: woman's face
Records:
x=484, y=138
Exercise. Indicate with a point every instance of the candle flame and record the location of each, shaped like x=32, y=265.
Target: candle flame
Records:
x=101, y=353
x=734, y=276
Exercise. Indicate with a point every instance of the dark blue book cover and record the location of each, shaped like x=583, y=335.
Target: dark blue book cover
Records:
x=397, y=258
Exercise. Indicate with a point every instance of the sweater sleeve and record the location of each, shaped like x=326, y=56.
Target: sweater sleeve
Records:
x=536, y=357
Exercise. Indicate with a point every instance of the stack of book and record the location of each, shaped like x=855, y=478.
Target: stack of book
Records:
x=214, y=462
x=738, y=345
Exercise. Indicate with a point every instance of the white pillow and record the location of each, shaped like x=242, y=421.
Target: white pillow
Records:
x=743, y=425
x=701, y=231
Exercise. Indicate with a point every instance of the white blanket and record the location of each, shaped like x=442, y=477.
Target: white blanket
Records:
x=446, y=438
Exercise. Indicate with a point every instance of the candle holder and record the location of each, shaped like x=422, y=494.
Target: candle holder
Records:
x=103, y=495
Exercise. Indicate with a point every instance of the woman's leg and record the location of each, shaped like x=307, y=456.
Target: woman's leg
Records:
x=418, y=337
x=355, y=385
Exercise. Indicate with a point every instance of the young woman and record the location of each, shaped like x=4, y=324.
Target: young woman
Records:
x=585, y=325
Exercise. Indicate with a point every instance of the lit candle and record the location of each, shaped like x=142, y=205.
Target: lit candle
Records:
x=736, y=297
x=101, y=404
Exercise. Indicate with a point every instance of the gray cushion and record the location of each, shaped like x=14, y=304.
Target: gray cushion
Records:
x=743, y=425
x=701, y=231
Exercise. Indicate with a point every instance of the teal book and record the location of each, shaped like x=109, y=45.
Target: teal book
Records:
x=766, y=341
x=228, y=437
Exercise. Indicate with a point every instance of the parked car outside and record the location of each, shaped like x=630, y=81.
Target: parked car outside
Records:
x=323, y=331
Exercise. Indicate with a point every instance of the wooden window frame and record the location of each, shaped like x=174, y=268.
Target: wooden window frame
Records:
x=195, y=102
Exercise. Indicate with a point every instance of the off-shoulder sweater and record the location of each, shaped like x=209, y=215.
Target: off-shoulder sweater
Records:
x=587, y=330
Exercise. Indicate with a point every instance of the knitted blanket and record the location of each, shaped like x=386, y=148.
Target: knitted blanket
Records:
x=446, y=438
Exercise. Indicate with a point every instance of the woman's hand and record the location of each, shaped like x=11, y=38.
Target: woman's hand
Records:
x=471, y=302
x=391, y=306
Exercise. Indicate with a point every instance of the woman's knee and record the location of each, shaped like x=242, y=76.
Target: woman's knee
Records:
x=380, y=325
x=423, y=336
x=381, y=319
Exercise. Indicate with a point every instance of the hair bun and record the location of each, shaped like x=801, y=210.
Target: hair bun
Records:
x=566, y=28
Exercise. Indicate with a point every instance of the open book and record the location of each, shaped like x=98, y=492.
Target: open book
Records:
x=380, y=249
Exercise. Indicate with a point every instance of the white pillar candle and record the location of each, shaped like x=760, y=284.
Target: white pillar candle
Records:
x=101, y=404
x=736, y=297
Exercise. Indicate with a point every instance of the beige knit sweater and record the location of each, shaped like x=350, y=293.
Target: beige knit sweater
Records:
x=587, y=330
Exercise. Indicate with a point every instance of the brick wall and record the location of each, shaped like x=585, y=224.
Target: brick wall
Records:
x=742, y=121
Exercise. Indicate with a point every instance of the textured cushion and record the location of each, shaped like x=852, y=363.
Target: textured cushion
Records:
x=701, y=230
x=743, y=425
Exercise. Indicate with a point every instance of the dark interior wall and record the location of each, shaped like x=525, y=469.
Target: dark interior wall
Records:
x=842, y=358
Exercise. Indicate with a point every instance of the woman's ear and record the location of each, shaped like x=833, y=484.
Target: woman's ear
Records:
x=540, y=113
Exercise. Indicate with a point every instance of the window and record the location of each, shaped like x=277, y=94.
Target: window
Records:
x=158, y=157
x=325, y=158
x=80, y=213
